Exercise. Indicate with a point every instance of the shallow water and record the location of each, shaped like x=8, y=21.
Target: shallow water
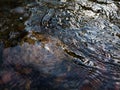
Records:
x=59, y=45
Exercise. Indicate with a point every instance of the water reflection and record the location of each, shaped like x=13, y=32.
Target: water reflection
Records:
x=63, y=45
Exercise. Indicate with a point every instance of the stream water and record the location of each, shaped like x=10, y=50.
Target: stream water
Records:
x=60, y=45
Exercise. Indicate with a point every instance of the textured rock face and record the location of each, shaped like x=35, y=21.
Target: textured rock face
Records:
x=88, y=21
x=66, y=44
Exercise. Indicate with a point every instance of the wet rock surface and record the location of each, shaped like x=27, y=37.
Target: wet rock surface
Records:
x=60, y=44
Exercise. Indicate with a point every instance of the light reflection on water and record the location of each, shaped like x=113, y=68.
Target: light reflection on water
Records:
x=62, y=48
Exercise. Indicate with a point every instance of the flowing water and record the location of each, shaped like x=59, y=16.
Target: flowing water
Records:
x=60, y=45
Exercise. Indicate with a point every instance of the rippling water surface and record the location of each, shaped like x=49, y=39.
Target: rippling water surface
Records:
x=60, y=45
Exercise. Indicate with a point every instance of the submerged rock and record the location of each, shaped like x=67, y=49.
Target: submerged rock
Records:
x=50, y=64
x=70, y=44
